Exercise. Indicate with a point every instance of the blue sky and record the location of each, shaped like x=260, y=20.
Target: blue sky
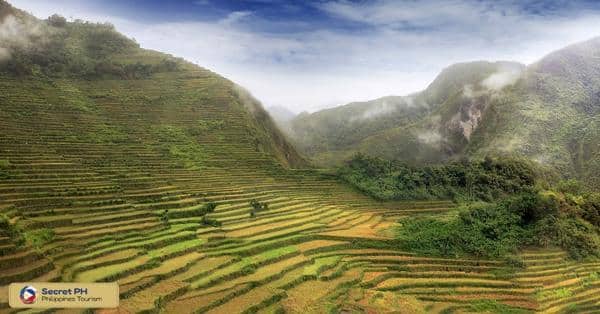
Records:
x=307, y=55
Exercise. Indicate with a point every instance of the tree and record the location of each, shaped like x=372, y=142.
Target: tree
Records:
x=210, y=222
x=257, y=207
x=167, y=65
x=164, y=218
x=57, y=21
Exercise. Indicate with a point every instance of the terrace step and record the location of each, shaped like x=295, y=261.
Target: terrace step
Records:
x=25, y=272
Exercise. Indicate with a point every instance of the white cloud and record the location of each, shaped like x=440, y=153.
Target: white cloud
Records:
x=505, y=76
x=18, y=34
x=430, y=137
x=405, y=44
x=399, y=13
x=235, y=17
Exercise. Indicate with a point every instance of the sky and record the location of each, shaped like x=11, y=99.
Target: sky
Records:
x=308, y=55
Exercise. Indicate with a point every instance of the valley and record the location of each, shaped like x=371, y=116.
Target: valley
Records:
x=546, y=111
x=103, y=203
x=136, y=167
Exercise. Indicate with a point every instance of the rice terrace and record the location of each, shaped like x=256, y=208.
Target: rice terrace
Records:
x=127, y=165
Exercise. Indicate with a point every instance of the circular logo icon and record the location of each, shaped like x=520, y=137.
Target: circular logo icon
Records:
x=28, y=294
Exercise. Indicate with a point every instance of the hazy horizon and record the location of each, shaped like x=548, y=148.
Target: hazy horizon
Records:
x=315, y=55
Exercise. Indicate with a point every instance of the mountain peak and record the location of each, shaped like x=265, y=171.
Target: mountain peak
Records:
x=575, y=61
x=547, y=111
x=455, y=77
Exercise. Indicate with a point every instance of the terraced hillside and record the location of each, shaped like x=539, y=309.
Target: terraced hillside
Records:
x=110, y=179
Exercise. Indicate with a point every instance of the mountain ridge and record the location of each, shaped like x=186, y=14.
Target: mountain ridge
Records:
x=480, y=108
x=399, y=112
x=75, y=52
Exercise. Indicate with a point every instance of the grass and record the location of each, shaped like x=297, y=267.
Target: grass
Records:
x=180, y=145
x=136, y=243
x=4, y=164
x=40, y=237
x=270, y=255
x=101, y=149
x=208, y=126
x=106, y=133
x=102, y=273
x=246, y=265
x=176, y=248
x=492, y=306
x=560, y=293
x=321, y=264
x=590, y=279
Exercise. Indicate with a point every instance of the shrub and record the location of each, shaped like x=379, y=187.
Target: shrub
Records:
x=590, y=279
x=483, y=230
x=82, y=67
x=499, y=229
x=531, y=207
x=210, y=207
x=167, y=65
x=576, y=236
x=257, y=207
x=591, y=209
x=159, y=303
x=164, y=218
x=492, y=306
x=514, y=261
x=4, y=163
x=211, y=222
x=40, y=237
x=103, y=68
x=15, y=232
x=483, y=180
x=207, y=209
x=103, y=40
x=429, y=236
x=4, y=223
x=137, y=70
x=489, y=230
x=570, y=186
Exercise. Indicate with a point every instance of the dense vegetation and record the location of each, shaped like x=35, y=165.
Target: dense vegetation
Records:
x=172, y=186
x=70, y=56
x=499, y=229
x=55, y=48
x=519, y=208
x=547, y=111
x=465, y=180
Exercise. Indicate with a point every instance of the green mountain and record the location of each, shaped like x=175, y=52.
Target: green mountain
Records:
x=119, y=164
x=81, y=66
x=547, y=111
x=332, y=135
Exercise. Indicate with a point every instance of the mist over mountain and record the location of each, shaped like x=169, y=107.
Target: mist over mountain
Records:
x=280, y=113
x=174, y=186
x=547, y=111
x=80, y=57
x=344, y=129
